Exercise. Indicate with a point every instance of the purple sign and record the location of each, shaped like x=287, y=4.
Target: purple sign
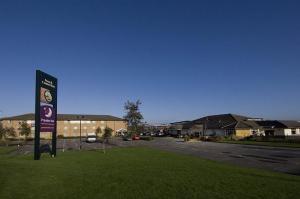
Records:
x=47, y=112
x=47, y=118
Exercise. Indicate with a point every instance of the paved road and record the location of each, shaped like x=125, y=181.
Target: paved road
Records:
x=286, y=160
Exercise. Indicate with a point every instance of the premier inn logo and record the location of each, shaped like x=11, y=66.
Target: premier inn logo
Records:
x=46, y=96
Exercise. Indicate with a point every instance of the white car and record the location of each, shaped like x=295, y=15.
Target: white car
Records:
x=91, y=137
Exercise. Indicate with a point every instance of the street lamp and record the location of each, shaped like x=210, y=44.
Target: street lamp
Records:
x=80, y=118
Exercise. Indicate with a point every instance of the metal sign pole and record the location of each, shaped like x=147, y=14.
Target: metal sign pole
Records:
x=54, y=133
x=37, y=117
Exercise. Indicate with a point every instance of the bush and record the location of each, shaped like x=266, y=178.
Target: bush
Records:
x=147, y=138
x=234, y=138
x=214, y=138
x=60, y=136
x=186, y=138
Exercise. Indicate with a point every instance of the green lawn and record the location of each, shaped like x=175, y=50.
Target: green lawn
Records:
x=260, y=143
x=136, y=173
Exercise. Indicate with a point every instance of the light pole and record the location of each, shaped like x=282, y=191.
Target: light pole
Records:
x=80, y=118
x=205, y=126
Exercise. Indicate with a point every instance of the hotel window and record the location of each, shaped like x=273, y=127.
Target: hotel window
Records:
x=293, y=131
x=30, y=122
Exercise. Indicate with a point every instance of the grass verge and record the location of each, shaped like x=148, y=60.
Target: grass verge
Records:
x=136, y=173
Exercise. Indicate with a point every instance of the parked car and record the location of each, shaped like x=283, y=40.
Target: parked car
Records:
x=159, y=134
x=91, y=137
x=144, y=133
x=152, y=133
x=126, y=138
x=135, y=137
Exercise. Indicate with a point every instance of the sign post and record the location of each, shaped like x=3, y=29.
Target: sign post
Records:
x=45, y=110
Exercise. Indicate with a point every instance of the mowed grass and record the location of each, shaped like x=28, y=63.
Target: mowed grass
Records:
x=136, y=173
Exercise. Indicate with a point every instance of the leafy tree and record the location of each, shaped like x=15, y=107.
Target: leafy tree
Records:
x=133, y=116
x=2, y=131
x=107, y=133
x=6, y=132
x=98, y=131
x=24, y=129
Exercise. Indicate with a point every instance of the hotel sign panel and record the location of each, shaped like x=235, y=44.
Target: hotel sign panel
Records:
x=47, y=105
x=45, y=109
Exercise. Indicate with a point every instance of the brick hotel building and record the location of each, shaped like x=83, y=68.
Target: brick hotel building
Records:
x=68, y=125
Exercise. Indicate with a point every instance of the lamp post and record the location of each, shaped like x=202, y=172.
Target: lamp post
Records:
x=80, y=118
x=205, y=126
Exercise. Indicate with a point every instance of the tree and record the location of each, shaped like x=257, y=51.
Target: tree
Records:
x=98, y=131
x=107, y=134
x=2, y=131
x=24, y=129
x=6, y=132
x=133, y=116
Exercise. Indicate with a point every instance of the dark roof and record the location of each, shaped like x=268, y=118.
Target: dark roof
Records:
x=63, y=117
x=191, y=125
x=290, y=123
x=227, y=121
x=270, y=124
x=180, y=123
x=247, y=124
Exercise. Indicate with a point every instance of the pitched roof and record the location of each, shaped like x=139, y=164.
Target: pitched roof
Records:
x=180, y=123
x=278, y=124
x=290, y=123
x=191, y=125
x=63, y=117
x=227, y=121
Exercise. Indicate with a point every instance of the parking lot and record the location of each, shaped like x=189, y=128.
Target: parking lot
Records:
x=286, y=160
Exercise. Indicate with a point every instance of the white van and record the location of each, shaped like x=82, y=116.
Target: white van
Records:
x=91, y=137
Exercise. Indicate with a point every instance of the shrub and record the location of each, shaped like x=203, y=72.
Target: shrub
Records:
x=186, y=138
x=60, y=136
x=234, y=138
x=147, y=138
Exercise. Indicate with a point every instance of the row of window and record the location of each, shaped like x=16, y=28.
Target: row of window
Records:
x=66, y=122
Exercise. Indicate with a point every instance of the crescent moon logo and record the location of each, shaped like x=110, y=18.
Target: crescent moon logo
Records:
x=48, y=112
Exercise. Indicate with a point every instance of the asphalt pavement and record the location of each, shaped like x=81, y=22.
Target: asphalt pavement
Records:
x=279, y=159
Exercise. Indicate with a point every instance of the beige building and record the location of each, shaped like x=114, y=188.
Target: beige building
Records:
x=68, y=125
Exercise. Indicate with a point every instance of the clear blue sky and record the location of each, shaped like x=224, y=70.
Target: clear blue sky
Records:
x=182, y=59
